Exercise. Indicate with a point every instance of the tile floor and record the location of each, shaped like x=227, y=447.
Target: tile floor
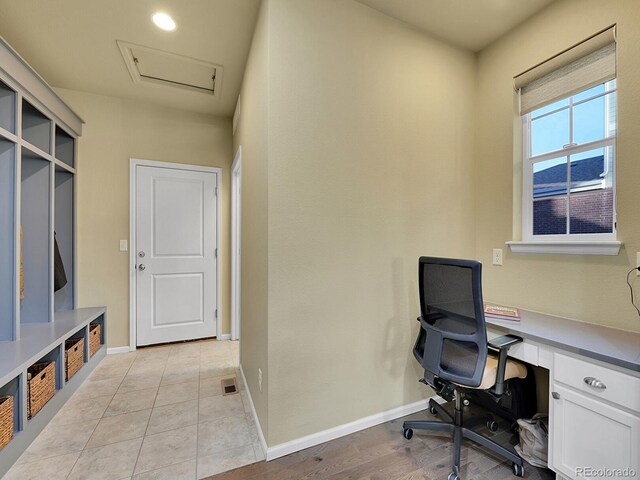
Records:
x=157, y=413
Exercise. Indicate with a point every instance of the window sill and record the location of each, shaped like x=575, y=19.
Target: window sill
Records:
x=568, y=248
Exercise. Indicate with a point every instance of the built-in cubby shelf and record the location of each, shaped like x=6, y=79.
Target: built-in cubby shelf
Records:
x=54, y=355
x=36, y=127
x=7, y=108
x=99, y=321
x=38, y=166
x=35, y=214
x=44, y=342
x=12, y=389
x=80, y=334
x=7, y=240
x=65, y=147
x=63, y=225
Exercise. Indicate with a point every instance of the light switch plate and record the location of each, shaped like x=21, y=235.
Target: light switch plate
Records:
x=497, y=256
x=123, y=246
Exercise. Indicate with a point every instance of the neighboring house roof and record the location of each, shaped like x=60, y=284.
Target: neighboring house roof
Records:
x=585, y=174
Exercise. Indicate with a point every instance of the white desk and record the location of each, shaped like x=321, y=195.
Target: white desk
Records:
x=590, y=427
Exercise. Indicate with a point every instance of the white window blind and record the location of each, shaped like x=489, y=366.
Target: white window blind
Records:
x=586, y=64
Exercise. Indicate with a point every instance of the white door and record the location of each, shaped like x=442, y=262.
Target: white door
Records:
x=176, y=291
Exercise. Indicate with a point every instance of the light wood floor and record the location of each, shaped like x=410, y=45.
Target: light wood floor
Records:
x=382, y=453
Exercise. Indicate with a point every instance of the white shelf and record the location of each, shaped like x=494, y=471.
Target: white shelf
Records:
x=31, y=151
x=7, y=135
x=63, y=167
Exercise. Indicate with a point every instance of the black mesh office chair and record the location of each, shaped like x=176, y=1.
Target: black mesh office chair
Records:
x=453, y=350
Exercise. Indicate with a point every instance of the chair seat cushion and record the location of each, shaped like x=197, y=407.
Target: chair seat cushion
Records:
x=514, y=369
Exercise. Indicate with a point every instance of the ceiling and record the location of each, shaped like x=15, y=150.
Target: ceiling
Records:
x=470, y=24
x=72, y=44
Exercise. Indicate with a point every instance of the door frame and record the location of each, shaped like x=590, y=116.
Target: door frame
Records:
x=236, y=244
x=134, y=163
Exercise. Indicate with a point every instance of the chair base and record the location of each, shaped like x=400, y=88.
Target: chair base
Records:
x=460, y=430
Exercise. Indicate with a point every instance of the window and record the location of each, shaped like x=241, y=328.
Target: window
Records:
x=569, y=126
x=569, y=165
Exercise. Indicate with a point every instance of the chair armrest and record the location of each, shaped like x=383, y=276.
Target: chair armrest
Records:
x=502, y=344
x=504, y=341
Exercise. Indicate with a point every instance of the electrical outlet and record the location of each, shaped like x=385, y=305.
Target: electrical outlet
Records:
x=123, y=246
x=637, y=263
x=497, y=256
x=260, y=379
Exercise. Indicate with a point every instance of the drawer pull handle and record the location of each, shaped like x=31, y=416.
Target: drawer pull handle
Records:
x=595, y=383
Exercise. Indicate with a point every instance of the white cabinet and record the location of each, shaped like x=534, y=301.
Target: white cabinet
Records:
x=593, y=428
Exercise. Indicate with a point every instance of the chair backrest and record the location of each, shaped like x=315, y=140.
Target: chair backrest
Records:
x=452, y=341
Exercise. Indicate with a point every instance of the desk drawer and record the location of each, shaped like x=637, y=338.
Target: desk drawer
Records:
x=619, y=388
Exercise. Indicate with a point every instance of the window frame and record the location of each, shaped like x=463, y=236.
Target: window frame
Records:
x=528, y=162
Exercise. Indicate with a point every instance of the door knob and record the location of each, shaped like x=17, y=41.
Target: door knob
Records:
x=141, y=267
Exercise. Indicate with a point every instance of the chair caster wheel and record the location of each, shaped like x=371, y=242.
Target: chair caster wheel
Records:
x=453, y=476
x=492, y=425
x=408, y=433
x=432, y=410
x=518, y=470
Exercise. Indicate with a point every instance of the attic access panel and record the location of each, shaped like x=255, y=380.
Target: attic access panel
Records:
x=148, y=65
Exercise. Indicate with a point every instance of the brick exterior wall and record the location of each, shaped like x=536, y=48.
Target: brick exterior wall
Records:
x=591, y=212
x=550, y=216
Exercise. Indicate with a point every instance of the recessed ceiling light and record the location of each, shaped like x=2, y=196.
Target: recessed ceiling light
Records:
x=164, y=21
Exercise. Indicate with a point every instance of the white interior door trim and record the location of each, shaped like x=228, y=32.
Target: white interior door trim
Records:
x=236, y=243
x=135, y=162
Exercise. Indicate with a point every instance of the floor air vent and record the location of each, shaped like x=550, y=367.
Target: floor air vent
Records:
x=148, y=65
x=229, y=386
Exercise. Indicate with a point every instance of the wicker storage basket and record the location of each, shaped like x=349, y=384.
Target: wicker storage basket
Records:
x=94, y=338
x=74, y=356
x=6, y=420
x=41, y=385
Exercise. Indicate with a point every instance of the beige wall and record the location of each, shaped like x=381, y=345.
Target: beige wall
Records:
x=367, y=144
x=587, y=288
x=370, y=144
x=251, y=134
x=117, y=130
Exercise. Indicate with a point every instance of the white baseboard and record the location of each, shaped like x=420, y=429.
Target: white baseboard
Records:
x=112, y=350
x=263, y=441
x=346, y=429
x=293, y=446
x=225, y=336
